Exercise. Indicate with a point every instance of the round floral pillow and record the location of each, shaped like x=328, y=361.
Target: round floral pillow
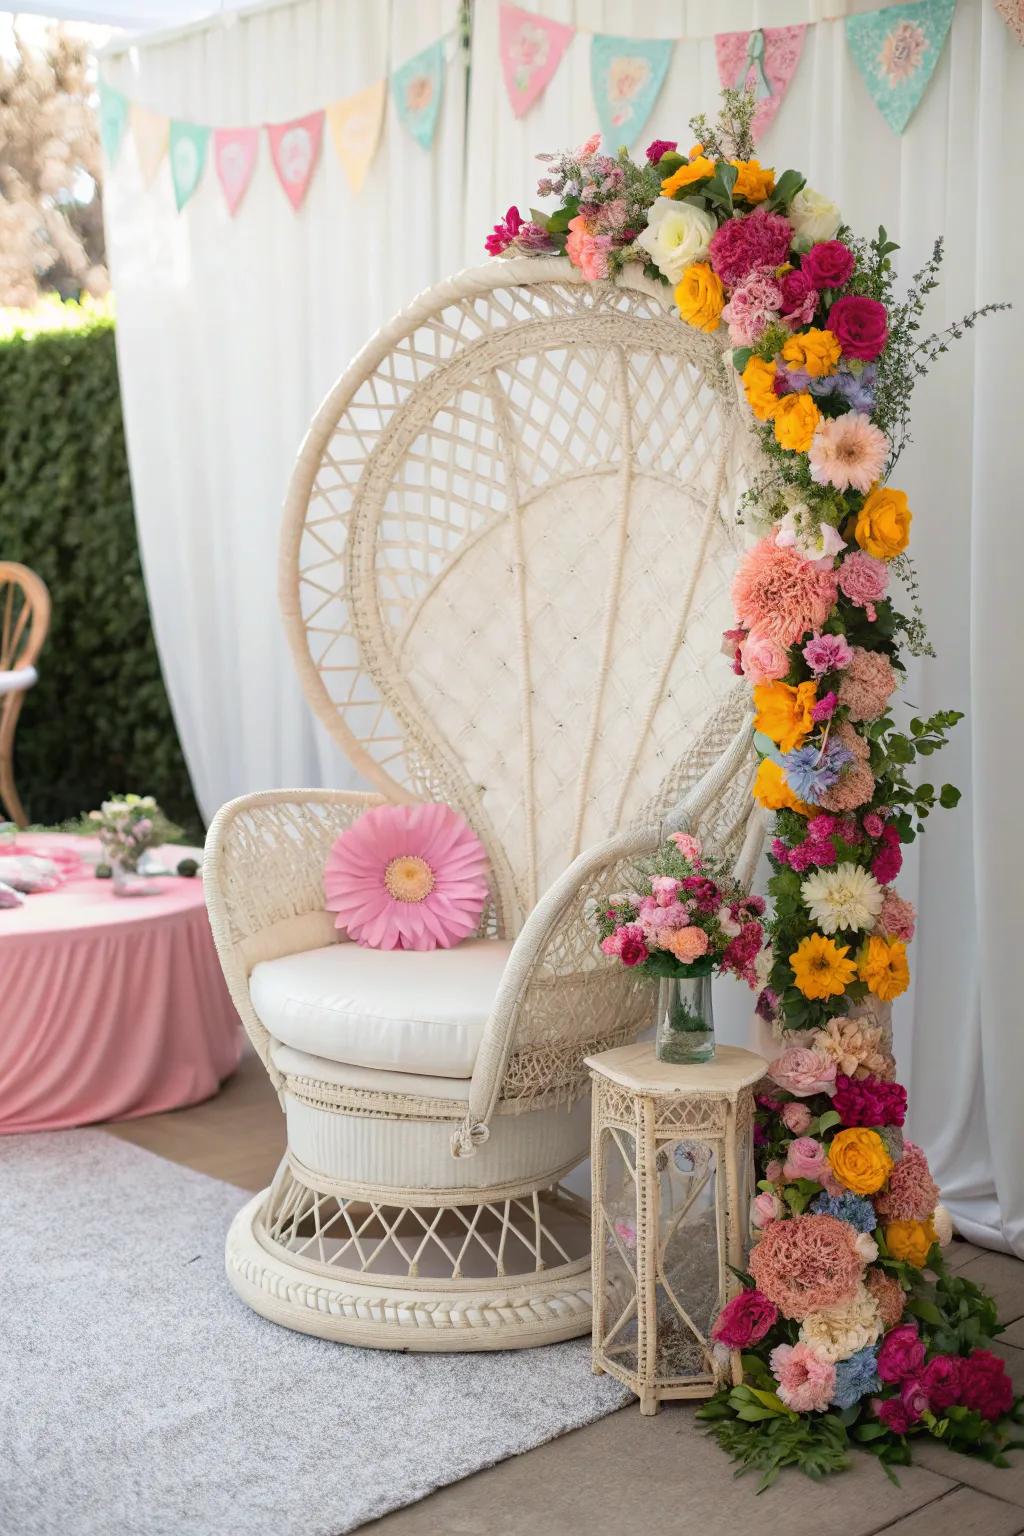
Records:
x=407, y=877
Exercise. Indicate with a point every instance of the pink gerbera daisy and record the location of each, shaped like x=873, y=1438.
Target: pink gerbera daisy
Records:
x=848, y=452
x=407, y=877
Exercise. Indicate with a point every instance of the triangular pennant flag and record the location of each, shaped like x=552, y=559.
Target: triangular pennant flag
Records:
x=187, y=152
x=626, y=74
x=417, y=88
x=531, y=50
x=355, y=125
x=234, y=158
x=1012, y=12
x=896, y=50
x=113, y=117
x=294, y=149
x=150, y=131
x=768, y=58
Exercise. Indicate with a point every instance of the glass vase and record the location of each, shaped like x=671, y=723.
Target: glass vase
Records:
x=686, y=1021
x=127, y=881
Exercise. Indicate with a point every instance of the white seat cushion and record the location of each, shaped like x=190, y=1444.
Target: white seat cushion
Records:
x=398, y=1010
x=19, y=681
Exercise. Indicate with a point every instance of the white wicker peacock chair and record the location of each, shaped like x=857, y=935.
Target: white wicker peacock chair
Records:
x=505, y=566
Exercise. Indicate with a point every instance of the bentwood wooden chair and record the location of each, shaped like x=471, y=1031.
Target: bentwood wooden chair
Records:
x=24, y=622
x=505, y=572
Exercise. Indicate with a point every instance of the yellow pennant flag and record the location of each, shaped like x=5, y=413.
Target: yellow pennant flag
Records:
x=355, y=129
x=150, y=130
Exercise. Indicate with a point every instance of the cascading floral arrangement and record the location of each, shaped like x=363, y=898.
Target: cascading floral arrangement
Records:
x=851, y=1330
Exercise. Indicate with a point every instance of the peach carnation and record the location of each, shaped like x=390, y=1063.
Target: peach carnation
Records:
x=780, y=594
x=898, y=917
x=848, y=452
x=687, y=944
x=912, y=1194
x=807, y=1380
x=888, y=1294
x=807, y=1264
x=867, y=684
x=857, y=1048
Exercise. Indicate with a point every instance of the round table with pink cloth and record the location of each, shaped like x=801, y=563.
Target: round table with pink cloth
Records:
x=110, y=1007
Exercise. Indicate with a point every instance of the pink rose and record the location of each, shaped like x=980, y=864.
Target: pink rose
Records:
x=802, y=1072
x=902, y=1354
x=796, y=1117
x=688, y=846
x=799, y=297
x=764, y=1208
x=829, y=264
x=805, y=1159
x=664, y=889
x=745, y=1320
x=773, y=1172
x=860, y=325
x=941, y=1381
x=764, y=658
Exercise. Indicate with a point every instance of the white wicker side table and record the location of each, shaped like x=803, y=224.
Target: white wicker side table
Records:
x=672, y=1180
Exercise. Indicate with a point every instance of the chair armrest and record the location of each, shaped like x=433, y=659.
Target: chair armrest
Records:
x=263, y=880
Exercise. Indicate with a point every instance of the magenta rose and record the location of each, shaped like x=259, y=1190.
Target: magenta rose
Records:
x=984, y=1384
x=632, y=950
x=828, y=264
x=659, y=147
x=893, y=1414
x=914, y=1399
x=941, y=1379
x=745, y=1320
x=799, y=297
x=901, y=1355
x=860, y=326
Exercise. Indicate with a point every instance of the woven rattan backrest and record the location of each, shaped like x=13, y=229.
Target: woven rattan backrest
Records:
x=506, y=557
x=24, y=616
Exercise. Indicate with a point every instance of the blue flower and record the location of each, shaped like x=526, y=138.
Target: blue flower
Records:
x=854, y=1209
x=855, y=1378
x=858, y=389
x=811, y=770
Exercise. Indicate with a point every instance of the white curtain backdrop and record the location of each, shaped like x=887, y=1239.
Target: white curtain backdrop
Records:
x=229, y=333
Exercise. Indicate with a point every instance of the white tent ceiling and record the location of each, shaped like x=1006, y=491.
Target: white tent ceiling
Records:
x=131, y=15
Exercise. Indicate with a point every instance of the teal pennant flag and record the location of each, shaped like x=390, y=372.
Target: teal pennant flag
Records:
x=626, y=74
x=417, y=88
x=187, y=153
x=896, y=50
x=113, y=115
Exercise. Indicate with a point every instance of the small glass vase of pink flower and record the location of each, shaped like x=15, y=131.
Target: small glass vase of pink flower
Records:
x=686, y=921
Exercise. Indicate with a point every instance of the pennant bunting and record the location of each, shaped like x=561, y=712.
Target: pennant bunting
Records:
x=150, y=131
x=626, y=74
x=294, y=149
x=417, y=88
x=1012, y=12
x=531, y=50
x=234, y=159
x=896, y=50
x=187, y=152
x=768, y=58
x=113, y=114
x=355, y=125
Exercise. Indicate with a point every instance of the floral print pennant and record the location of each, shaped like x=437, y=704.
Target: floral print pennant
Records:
x=767, y=58
x=417, y=88
x=187, y=151
x=531, y=50
x=234, y=159
x=896, y=50
x=294, y=149
x=626, y=74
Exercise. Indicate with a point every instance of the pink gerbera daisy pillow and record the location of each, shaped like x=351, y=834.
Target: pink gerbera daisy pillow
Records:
x=407, y=877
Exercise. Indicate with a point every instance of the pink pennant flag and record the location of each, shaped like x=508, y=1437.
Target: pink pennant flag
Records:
x=531, y=50
x=294, y=149
x=234, y=155
x=768, y=58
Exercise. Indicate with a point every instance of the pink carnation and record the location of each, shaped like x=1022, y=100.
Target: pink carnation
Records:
x=753, y=304
x=856, y=783
x=888, y=859
x=626, y=944
x=941, y=1380
x=805, y=1159
x=764, y=658
x=912, y=1194
x=893, y=1414
x=779, y=593
x=807, y=1263
x=806, y=1379
x=897, y=919
x=864, y=580
x=760, y=239
x=869, y=1101
x=664, y=888
x=867, y=685
x=848, y=452
x=689, y=846
x=984, y=1384
x=745, y=1320
x=827, y=653
x=586, y=250
x=802, y=1071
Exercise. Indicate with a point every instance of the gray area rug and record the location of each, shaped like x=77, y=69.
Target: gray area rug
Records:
x=140, y=1397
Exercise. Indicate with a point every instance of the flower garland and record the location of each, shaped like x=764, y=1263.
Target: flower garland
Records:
x=850, y=1327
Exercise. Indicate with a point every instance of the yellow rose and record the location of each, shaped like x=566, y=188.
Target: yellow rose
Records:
x=815, y=352
x=700, y=297
x=883, y=523
x=773, y=792
x=859, y=1160
x=883, y=965
x=784, y=712
x=687, y=174
x=752, y=183
x=910, y=1240
x=758, y=378
x=796, y=417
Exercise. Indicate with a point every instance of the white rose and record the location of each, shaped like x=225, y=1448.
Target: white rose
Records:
x=814, y=216
x=676, y=235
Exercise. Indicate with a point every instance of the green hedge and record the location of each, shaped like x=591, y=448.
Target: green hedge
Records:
x=98, y=720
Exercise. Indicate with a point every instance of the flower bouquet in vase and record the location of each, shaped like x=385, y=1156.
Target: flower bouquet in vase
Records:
x=689, y=921
x=128, y=827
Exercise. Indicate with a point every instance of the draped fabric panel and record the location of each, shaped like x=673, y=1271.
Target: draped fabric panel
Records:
x=229, y=333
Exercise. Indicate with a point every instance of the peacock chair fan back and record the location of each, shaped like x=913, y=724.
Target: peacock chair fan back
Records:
x=506, y=558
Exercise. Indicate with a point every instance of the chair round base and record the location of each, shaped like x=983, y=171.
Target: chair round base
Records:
x=379, y=1313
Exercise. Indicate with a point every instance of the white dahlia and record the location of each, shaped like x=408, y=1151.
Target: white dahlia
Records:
x=846, y=897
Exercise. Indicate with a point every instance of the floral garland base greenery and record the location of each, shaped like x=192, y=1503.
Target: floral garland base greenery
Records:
x=851, y=1331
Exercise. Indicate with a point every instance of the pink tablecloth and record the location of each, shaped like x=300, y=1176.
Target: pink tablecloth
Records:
x=110, y=1007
